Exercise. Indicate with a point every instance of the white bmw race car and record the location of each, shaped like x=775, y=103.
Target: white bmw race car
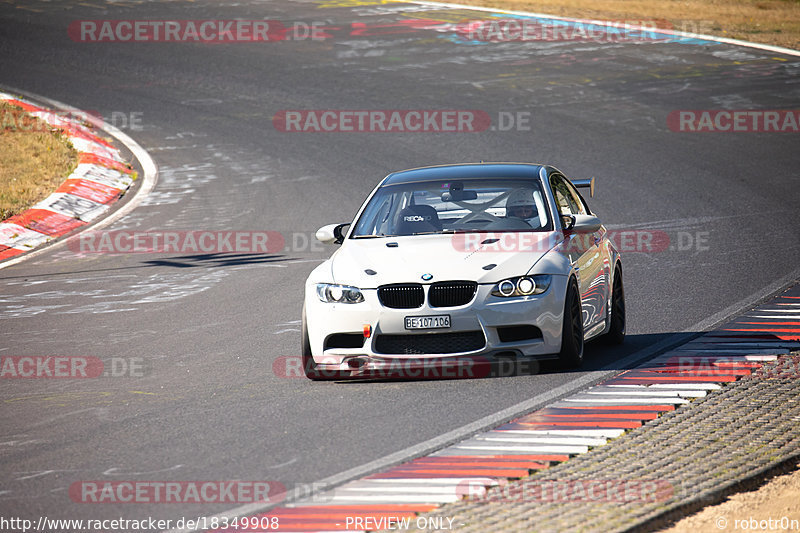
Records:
x=487, y=260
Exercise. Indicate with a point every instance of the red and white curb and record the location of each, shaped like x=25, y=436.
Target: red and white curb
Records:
x=568, y=427
x=100, y=179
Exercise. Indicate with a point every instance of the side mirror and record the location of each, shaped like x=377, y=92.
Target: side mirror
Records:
x=332, y=233
x=568, y=221
x=585, y=223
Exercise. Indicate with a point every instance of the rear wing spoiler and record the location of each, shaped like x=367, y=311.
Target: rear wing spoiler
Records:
x=587, y=183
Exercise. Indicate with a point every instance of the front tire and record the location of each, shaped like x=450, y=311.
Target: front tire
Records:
x=571, y=354
x=616, y=331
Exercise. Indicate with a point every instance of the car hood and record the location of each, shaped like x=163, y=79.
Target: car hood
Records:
x=444, y=257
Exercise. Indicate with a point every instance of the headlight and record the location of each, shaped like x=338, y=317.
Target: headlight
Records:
x=522, y=286
x=342, y=294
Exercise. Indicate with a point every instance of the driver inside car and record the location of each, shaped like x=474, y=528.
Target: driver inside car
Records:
x=520, y=204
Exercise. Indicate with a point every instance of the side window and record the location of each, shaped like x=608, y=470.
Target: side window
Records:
x=567, y=202
x=576, y=197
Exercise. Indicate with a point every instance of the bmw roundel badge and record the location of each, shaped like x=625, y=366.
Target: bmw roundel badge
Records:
x=427, y=277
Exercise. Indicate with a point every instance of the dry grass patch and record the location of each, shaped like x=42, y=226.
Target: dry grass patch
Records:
x=775, y=22
x=34, y=160
x=776, y=501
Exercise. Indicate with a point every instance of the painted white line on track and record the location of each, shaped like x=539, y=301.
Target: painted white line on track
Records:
x=550, y=449
x=634, y=388
x=632, y=393
x=395, y=498
x=610, y=433
x=722, y=351
x=711, y=359
x=479, y=453
x=625, y=400
x=697, y=386
x=581, y=441
x=426, y=484
x=399, y=489
x=724, y=345
x=443, y=481
x=749, y=301
x=670, y=391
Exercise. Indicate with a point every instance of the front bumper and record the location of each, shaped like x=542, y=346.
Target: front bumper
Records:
x=478, y=330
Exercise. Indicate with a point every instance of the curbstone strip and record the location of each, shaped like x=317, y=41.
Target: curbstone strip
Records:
x=101, y=178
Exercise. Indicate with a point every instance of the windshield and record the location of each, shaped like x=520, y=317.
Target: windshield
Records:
x=488, y=204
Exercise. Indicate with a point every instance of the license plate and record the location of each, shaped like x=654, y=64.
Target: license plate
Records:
x=428, y=322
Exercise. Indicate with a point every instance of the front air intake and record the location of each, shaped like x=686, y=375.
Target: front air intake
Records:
x=430, y=343
x=402, y=295
x=451, y=293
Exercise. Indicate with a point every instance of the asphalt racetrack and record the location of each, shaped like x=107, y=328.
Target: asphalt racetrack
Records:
x=207, y=328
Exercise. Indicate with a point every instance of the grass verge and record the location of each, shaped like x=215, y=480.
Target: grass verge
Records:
x=34, y=160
